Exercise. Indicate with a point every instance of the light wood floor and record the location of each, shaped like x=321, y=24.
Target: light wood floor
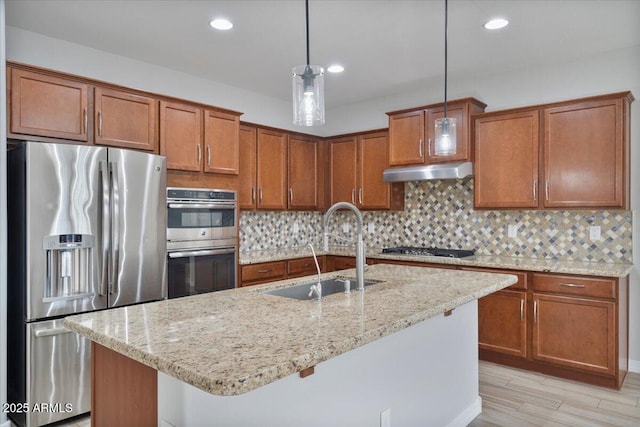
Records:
x=512, y=397
x=515, y=398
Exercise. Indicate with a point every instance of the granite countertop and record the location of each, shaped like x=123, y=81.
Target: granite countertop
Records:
x=234, y=341
x=605, y=269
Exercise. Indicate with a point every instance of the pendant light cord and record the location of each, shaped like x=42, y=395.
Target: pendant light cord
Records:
x=307, y=20
x=446, y=25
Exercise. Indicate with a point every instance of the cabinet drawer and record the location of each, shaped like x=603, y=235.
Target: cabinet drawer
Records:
x=265, y=270
x=573, y=285
x=303, y=266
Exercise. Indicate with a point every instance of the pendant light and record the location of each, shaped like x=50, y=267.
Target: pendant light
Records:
x=308, y=90
x=445, y=128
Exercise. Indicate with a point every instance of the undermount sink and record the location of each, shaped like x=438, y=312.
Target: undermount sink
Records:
x=329, y=286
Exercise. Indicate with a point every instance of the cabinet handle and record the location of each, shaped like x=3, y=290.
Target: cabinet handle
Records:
x=571, y=285
x=291, y=195
x=306, y=265
x=360, y=196
x=353, y=196
x=535, y=312
x=85, y=118
x=199, y=151
x=99, y=123
x=420, y=147
x=429, y=148
x=546, y=190
x=535, y=191
x=208, y=155
x=253, y=194
x=521, y=310
x=260, y=194
x=266, y=270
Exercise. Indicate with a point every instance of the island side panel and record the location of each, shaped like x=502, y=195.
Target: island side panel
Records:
x=123, y=391
x=426, y=374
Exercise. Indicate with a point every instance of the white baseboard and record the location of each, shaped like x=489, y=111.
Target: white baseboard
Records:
x=634, y=366
x=463, y=419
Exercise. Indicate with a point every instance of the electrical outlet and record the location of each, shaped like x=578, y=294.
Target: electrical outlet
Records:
x=385, y=418
x=296, y=228
x=371, y=228
x=594, y=232
x=345, y=227
x=512, y=230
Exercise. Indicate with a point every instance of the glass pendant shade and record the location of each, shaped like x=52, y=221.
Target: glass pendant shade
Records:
x=445, y=141
x=308, y=95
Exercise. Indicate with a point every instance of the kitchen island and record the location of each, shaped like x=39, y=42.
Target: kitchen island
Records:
x=241, y=357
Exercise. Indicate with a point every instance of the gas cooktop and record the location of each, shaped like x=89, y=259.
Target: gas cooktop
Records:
x=421, y=251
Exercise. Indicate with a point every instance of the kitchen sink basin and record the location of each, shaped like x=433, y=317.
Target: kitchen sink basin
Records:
x=329, y=286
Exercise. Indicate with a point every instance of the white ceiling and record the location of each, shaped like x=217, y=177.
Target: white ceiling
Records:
x=386, y=47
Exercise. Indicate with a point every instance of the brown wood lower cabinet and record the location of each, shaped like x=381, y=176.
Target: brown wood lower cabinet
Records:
x=265, y=272
x=569, y=326
x=574, y=332
x=502, y=323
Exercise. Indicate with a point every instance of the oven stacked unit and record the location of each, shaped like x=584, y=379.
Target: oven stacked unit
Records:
x=202, y=240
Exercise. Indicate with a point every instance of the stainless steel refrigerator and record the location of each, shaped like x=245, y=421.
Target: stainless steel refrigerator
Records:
x=87, y=231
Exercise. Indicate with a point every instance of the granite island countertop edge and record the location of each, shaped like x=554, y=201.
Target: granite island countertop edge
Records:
x=244, y=380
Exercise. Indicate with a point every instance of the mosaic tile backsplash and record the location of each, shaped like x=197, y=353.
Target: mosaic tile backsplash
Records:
x=440, y=213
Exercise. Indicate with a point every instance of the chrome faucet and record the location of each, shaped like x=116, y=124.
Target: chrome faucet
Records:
x=315, y=291
x=359, y=241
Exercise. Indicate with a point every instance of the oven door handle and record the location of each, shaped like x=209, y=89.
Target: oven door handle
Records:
x=185, y=254
x=201, y=206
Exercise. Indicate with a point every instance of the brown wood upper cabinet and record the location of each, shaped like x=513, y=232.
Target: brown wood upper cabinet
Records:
x=181, y=135
x=221, y=142
x=356, y=166
x=195, y=139
x=573, y=154
x=411, y=132
x=506, y=160
x=127, y=120
x=303, y=167
x=263, y=169
x=48, y=106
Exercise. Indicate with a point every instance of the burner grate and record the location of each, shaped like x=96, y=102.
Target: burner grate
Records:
x=422, y=251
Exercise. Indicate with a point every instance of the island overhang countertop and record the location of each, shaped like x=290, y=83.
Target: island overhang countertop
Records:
x=234, y=341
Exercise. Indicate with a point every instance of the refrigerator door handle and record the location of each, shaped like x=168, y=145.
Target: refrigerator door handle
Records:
x=115, y=227
x=106, y=218
x=51, y=331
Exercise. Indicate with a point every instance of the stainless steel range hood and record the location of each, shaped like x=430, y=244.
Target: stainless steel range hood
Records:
x=428, y=172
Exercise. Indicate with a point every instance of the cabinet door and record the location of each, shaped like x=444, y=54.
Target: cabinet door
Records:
x=574, y=332
x=502, y=323
x=221, y=143
x=373, y=192
x=406, y=138
x=272, y=170
x=247, y=189
x=463, y=151
x=125, y=120
x=303, y=173
x=506, y=161
x=583, y=154
x=48, y=106
x=342, y=158
x=181, y=135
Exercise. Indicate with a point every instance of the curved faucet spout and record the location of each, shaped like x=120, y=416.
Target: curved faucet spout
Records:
x=359, y=243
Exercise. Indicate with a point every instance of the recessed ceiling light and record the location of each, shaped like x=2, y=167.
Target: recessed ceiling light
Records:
x=496, y=24
x=335, y=68
x=221, y=24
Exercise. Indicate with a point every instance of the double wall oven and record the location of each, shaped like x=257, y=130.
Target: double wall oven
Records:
x=202, y=240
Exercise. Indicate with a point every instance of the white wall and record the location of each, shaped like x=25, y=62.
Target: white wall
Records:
x=611, y=72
